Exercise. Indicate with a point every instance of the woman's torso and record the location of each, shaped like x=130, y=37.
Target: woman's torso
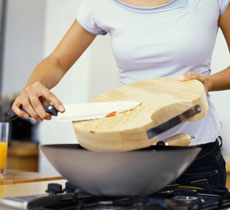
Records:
x=161, y=41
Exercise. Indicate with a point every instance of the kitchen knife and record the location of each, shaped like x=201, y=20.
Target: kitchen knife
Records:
x=85, y=111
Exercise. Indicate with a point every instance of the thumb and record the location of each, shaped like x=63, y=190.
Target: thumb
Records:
x=188, y=76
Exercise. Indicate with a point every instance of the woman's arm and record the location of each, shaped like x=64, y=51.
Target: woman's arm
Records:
x=220, y=80
x=49, y=72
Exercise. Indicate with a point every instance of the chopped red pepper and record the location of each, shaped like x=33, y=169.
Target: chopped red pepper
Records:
x=112, y=114
x=124, y=111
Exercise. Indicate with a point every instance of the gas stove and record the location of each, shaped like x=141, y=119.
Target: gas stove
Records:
x=174, y=196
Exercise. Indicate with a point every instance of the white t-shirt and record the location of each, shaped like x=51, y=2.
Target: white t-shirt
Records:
x=167, y=40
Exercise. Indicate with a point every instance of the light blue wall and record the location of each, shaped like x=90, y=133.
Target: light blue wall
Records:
x=25, y=20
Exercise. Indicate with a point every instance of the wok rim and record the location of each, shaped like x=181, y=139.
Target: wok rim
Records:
x=78, y=147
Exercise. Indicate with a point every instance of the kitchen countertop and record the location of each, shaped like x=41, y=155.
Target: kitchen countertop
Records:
x=24, y=189
x=16, y=177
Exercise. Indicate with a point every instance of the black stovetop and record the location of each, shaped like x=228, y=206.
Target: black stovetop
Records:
x=172, y=197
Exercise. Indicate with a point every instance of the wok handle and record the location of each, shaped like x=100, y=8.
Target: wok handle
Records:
x=181, y=139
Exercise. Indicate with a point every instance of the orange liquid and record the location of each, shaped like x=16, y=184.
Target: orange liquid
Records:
x=3, y=154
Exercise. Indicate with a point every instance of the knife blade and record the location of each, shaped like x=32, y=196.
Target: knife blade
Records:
x=85, y=111
x=89, y=111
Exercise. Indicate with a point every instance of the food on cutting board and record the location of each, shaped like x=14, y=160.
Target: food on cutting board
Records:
x=112, y=114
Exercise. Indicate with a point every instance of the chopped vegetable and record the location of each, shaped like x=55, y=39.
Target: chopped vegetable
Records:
x=112, y=114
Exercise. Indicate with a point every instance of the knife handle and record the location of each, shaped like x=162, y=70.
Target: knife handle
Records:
x=50, y=109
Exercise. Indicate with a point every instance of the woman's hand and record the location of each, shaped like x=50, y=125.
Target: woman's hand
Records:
x=193, y=75
x=32, y=98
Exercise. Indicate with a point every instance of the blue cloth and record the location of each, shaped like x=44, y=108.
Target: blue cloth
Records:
x=209, y=165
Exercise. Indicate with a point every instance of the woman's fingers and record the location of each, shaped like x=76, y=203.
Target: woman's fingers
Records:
x=32, y=104
x=18, y=111
x=32, y=99
x=36, y=110
x=48, y=95
x=193, y=75
x=54, y=100
x=27, y=111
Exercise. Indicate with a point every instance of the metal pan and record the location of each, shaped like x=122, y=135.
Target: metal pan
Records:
x=139, y=172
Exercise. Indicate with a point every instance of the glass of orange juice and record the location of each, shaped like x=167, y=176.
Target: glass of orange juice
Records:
x=4, y=131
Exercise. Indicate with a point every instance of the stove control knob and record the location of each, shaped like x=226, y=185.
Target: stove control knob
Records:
x=69, y=187
x=54, y=188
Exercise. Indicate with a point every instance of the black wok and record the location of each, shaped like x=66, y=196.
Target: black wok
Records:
x=130, y=173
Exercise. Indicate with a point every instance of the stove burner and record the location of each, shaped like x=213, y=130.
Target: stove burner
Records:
x=173, y=197
x=106, y=203
x=115, y=205
x=183, y=200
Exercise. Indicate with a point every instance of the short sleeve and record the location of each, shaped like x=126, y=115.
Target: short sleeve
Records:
x=223, y=4
x=86, y=18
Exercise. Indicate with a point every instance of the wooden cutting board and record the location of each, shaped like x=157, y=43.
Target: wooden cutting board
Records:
x=161, y=99
x=16, y=177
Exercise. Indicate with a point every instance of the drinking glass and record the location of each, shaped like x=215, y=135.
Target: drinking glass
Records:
x=4, y=132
